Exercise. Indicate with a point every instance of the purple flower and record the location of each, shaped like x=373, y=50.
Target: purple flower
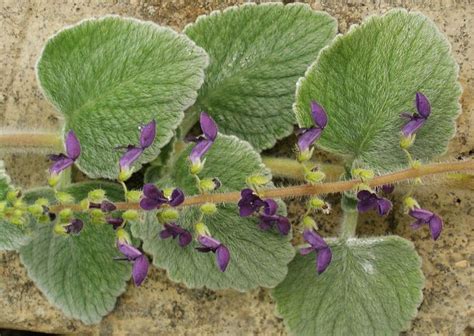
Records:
x=370, y=201
x=417, y=120
x=147, y=136
x=75, y=226
x=269, y=217
x=307, y=136
x=387, y=188
x=105, y=206
x=205, y=141
x=115, y=222
x=139, y=260
x=209, y=244
x=320, y=247
x=174, y=230
x=63, y=161
x=249, y=203
x=423, y=216
x=155, y=198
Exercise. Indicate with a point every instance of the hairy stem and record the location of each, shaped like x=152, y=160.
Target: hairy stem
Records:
x=349, y=223
x=14, y=140
x=322, y=188
x=290, y=168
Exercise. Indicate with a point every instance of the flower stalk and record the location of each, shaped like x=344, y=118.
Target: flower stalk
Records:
x=317, y=189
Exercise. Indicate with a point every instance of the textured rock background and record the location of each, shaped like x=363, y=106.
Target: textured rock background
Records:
x=161, y=307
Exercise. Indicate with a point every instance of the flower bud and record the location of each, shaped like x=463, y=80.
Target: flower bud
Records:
x=208, y=184
x=124, y=175
x=84, y=204
x=305, y=155
x=13, y=195
x=59, y=229
x=97, y=216
x=122, y=236
x=65, y=215
x=42, y=201
x=316, y=203
x=258, y=180
x=36, y=210
x=363, y=174
x=196, y=167
x=201, y=229
x=134, y=195
x=410, y=203
x=407, y=141
x=53, y=180
x=96, y=195
x=208, y=209
x=168, y=215
x=130, y=215
x=309, y=223
x=64, y=198
x=415, y=164
x=314, y=176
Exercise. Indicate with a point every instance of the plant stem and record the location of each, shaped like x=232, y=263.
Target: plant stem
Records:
x=307, y=189
x=289, y=168
x=349, y=223
x=15, y=140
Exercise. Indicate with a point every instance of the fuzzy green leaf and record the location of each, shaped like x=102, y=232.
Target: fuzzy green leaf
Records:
x=373, y=286
x=77, y=273
x=257, y=54
x=368, y=77
x=258, y=258
x=110, y=75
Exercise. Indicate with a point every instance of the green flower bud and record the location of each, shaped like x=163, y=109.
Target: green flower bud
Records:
x=96, y=195
x=97, y=216
x=84, y=204
x=53, y=180
x=36, y=210
x=42, y=201
x=407, y=142
x=316, y=203
x=12, y=196
x=64, y=198
x=207, y=185
x=167, y=192
x=43, y=219
x=363, y=174
x=168, y=215
x=59, y=229
x=65, y=215
x=196, y=168
x=410, y=203
x=134, y=195
x=309, y=223
x=257, y=180
x=201, y=229
x=305, y=155
x=124, y=175
x=208, y=209
x=130, y=215
x=314, y=176
x=122, y=236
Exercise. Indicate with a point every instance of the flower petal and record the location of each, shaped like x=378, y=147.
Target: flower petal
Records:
x=185, y=238
x=60, y=165
x=149, y=203
x=319, y=115
x=199, y=150
x=423, y=105
x=222, y=257
x=307, y=250
x=436, y=226
x=129, y=157
x=283, y=225
x=270, y=208
x=177, y=197
x=209, y=242
x=115, y=222
x=307, y=139
x=75, y=226
x=383, y=206
x=107, y=206
x=208, y=126
x=152, y=191
x=140, y=269
x=165, y=234
x=73, y=147
x=129, y=251
x=422, y=214
x=314, y=239
x=324, y=259
x=412, y=126
x=147, y=134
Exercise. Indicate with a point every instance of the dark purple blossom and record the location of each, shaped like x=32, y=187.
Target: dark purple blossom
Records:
x=387, y=188
x=116, y=222
x=249, y=203
x=423, y=216
x=417, y=120
x=63, y=161
x=370, y=201
x=174, y=230
x=75, y=226
x=269, y=217
x=154, y=197
x=209, y=244
x=105, y=206
x=204, y=141
x=147, y=136
x=318, y=245
x=307, y=136
x=139, y=260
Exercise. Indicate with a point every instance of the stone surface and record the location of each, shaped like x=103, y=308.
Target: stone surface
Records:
x=161, y=307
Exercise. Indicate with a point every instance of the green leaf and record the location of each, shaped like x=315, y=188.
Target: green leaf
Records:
x=77, y=273
x=368, y=77
x=258, y=258
x=110, y=75
x=373, y=286
x=257, y=54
